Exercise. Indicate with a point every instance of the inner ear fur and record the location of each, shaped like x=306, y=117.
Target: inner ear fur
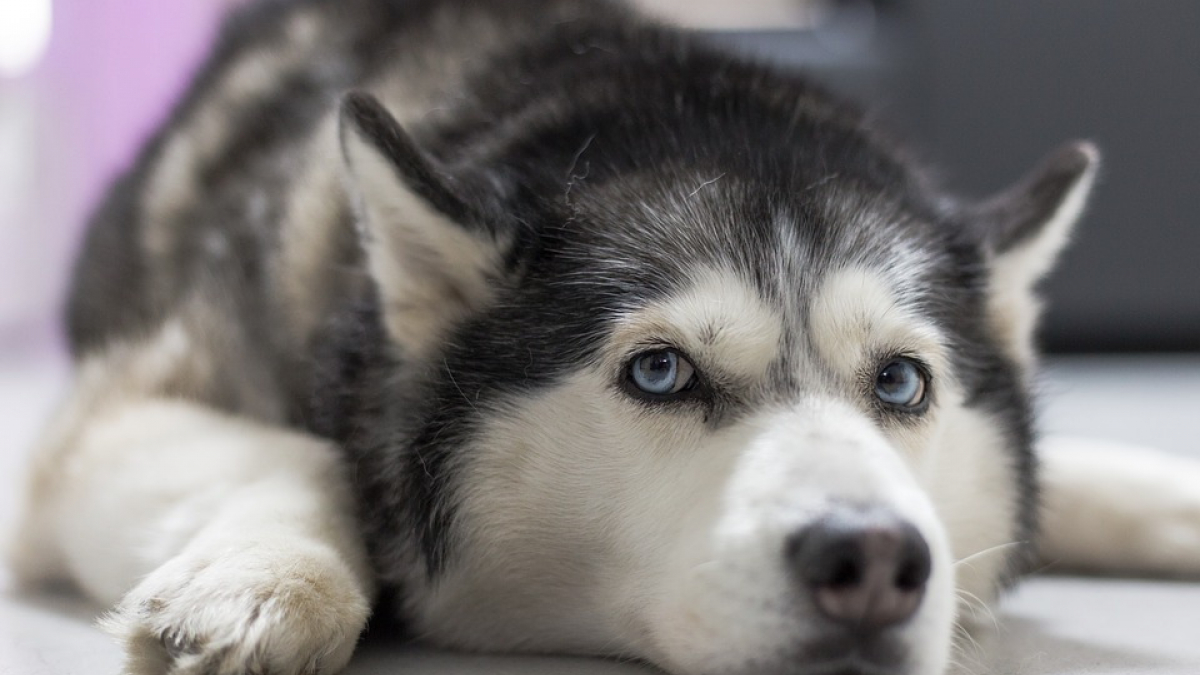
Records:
x=429, y=257
x=1024, y=229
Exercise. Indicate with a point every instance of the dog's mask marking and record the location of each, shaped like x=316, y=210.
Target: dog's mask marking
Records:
x=1024, y=229
x=430, y=266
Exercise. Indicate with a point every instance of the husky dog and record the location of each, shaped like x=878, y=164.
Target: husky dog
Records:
x=551, y=329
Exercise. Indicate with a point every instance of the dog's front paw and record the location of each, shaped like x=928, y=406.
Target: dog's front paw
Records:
x=286, y=610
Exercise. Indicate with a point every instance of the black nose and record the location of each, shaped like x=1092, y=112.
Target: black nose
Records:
x=865, y=567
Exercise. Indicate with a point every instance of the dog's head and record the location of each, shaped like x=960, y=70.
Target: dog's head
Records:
x=716, y=380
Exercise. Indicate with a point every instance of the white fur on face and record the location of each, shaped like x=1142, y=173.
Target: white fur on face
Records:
x=957, y=454
x=968, y=474
x=595, y=523
x=856, y=315
x=729, y=599
x=718, y=320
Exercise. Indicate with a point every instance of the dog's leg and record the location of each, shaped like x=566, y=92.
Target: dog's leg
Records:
x=1119, y=509
x=232, y=541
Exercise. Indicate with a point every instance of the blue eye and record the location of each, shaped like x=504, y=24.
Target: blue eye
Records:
x=661, y=372
x=901, y=383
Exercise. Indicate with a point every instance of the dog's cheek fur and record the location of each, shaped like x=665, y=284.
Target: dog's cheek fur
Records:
x=567, y=510
x=968, y=471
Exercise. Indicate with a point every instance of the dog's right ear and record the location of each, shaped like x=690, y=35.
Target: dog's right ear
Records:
x=430, y=259
x=1022, y=231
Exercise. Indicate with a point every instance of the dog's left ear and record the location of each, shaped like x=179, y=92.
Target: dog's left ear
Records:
x=1024, y=229
x=429, y=241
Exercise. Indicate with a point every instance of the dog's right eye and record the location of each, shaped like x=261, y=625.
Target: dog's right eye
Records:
x=661, y=372
x=901, y=384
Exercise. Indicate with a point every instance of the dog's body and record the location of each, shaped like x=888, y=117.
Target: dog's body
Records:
x=575, y=335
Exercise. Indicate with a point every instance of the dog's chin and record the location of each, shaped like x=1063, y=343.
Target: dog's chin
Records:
x=841, y=667
x=901, y=651
x=851, y=665
x=838, y=657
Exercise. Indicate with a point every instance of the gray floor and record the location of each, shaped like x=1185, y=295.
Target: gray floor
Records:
x=1051, y=626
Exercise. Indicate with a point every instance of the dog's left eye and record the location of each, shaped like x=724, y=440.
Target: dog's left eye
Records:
x=901, y=383
x=661, y=372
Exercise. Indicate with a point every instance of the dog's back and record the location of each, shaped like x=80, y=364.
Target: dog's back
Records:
x=235, y=215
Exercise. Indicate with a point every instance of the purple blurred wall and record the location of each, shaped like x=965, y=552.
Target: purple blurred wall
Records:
x=69, y=125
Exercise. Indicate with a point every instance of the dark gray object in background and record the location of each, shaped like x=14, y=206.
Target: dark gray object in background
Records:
x=985, y=89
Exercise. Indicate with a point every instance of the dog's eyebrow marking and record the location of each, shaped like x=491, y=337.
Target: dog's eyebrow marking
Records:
x=856, y=311
x=705, y=184
x=719, y=317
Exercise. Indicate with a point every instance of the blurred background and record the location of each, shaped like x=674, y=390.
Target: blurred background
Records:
x=982, y=90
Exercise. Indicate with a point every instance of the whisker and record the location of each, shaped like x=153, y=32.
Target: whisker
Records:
x=453, y=381
x=967, y=560
x=960, y=668
x=968, y=650
x=977, y=606
x=957, y=667
x=1045, y=565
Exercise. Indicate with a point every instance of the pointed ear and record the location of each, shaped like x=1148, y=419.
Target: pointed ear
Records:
x=1024, y=229
x=431, y=261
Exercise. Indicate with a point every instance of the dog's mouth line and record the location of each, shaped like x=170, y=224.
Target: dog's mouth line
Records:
x=851, y=659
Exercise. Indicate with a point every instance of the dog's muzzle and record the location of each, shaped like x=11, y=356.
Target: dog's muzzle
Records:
x=863, y=570
x=826, y=557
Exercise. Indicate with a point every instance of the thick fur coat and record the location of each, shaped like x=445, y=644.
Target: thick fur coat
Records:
x=544, y=327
